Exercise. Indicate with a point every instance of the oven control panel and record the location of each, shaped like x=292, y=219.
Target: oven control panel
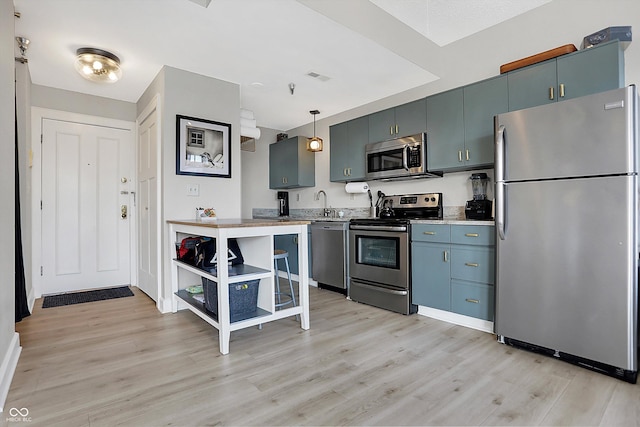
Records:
x=427, y=200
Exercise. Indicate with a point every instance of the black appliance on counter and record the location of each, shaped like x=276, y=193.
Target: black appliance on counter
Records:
x=283, y=205
x=379, y=251
x=480, y=207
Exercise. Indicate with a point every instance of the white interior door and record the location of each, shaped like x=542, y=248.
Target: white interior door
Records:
x=85, y=186
x=148, y=249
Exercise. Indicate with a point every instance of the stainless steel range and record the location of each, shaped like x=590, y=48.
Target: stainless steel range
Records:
x=379, y=251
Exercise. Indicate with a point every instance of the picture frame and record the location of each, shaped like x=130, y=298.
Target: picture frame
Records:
x=203, y=147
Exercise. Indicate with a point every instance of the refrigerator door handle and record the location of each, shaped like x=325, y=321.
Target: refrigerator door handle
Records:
x=499, y=173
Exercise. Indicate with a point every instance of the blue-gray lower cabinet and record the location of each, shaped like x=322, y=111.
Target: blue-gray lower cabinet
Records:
x=472, y=299
x=289, y=243
x=431, y=275
x=453, y=268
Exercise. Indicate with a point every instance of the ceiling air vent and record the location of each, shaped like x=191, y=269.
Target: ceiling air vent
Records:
x=320, y=77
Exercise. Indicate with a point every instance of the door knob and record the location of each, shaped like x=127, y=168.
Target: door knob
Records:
x=123, y=211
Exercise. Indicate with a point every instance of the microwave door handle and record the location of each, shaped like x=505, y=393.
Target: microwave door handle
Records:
x=404, y=158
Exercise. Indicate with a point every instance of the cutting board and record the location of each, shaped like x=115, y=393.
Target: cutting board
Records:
x=539, y=57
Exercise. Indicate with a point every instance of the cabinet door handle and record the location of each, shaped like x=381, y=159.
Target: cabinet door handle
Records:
x=390, y=130
x=397, y=129
x=551, y=92
x=430, y=233
x=445, y=256
x=467, y=155
x=561, y=90
x=459, y=155
x=471, y=234
x=349, y=171
x=471, y=264
x=475, y=301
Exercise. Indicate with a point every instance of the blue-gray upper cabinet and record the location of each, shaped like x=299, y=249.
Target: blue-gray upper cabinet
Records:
x=403, y=120
x=291, y=165
x=482, y=101
x=569, y=76
x=460, y=125
x=346, y=150
x=445, y=130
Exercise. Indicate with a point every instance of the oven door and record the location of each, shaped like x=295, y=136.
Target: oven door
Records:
x=380, y=254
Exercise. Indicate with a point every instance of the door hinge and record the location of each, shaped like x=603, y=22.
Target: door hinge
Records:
x=40, y=204
x=41, y=138
x=41, y=271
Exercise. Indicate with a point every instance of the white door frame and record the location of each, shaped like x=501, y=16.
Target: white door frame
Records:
x=38, y=114
x=163, y=304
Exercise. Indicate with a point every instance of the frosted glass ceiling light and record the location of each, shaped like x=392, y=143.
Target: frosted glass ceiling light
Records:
x=98, y=65
x=314, y=144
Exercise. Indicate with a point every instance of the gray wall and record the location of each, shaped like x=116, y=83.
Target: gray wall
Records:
x=75, y=102
x=7, y=192
x=185, y=93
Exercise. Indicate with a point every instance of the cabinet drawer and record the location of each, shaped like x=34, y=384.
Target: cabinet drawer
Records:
x=439, y=233
x=473, y=263
x=473, y=235
x=472, y=299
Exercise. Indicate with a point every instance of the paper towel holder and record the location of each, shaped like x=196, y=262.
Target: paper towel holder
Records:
x=356, y=187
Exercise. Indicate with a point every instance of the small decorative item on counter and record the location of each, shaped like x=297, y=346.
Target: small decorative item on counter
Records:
x=205, y=214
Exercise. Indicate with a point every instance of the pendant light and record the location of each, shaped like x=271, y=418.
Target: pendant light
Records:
x=314, y=144
x=98, y=65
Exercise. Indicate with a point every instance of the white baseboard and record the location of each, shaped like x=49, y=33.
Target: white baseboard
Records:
x=8, y=368
x=165, y=305
x=458, y=319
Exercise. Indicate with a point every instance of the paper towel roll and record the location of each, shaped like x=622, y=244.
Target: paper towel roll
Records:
x=356, y=187
x=250, y=132
x=247, y=123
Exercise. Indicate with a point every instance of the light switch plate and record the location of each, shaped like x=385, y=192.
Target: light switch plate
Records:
x=193, y=190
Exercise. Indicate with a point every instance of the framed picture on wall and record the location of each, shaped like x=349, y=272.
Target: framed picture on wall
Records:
x=203, y=147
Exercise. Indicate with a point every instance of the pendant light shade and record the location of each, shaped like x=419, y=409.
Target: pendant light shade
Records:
x=98, y=65
x=314, y=144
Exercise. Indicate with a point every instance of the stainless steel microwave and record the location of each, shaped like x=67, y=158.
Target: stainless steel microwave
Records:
x=400, y=158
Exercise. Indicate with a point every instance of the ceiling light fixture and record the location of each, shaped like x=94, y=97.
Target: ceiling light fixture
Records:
x=98, y=65
x=314, y=144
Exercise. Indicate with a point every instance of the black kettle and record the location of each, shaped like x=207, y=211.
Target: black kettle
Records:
x=387, y=210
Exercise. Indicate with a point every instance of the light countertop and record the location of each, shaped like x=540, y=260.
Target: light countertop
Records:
x=240, y=222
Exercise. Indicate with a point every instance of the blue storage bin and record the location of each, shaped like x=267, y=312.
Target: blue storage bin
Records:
x=243, y=296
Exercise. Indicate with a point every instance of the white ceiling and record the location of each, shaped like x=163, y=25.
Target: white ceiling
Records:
x=358, y=46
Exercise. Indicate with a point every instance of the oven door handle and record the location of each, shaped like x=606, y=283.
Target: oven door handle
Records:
x=378, y=227
x=381, y=289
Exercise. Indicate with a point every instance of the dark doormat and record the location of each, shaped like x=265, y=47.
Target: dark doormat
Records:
x=86, y=296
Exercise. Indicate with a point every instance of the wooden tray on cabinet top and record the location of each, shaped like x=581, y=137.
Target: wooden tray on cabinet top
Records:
x=539, y=57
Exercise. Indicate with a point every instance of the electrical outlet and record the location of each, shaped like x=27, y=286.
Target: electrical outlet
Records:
x=193, y=190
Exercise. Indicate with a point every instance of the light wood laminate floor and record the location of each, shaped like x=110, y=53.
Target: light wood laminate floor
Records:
x=121, y=362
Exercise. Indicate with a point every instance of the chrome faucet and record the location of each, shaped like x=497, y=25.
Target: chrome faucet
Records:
x=325, y=211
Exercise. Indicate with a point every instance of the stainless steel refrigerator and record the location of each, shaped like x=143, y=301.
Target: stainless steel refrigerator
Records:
x=567, y=230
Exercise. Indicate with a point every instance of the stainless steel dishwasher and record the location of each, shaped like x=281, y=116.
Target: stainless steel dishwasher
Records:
x=329, y=253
